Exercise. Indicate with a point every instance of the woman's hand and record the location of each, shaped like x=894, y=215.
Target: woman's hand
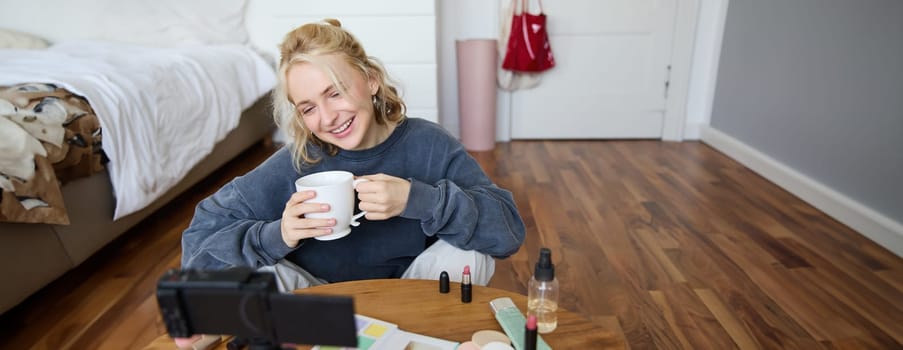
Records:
x=296, y=227
x=383, y=196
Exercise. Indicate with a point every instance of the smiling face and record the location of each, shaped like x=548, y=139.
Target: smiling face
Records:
x=340, y=115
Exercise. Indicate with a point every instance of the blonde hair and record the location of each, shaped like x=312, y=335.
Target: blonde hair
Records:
x=306, y=44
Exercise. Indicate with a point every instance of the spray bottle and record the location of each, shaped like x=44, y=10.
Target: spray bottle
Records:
x=542, y=293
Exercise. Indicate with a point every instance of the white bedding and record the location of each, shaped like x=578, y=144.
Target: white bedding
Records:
x=161, y=109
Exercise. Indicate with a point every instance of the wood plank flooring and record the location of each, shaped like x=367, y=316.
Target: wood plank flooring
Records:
x=675, y=244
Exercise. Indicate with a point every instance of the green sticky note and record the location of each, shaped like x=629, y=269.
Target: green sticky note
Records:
x=364, y=343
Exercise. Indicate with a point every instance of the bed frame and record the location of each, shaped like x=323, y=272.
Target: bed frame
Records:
x=33, y=255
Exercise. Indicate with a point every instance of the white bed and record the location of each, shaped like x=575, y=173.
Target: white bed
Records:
x=161, y=109
x=178, y=92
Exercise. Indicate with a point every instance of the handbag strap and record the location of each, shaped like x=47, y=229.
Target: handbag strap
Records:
x=525, y=33
x=524, y=6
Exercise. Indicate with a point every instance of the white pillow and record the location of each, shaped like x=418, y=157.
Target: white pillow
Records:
x=162, y=23
x=11, y=39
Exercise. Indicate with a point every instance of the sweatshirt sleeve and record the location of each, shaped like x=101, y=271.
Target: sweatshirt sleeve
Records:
x=466, y=209
x=225, y=233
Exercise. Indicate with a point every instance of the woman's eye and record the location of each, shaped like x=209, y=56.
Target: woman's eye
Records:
x=307, y=110
x=334, y=94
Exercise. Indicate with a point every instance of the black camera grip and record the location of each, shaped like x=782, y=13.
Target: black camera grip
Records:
x=171, y=311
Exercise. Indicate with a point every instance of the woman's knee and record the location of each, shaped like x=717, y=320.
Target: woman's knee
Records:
x=442, y=256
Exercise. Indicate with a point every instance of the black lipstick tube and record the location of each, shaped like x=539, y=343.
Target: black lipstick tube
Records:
x=443, y=282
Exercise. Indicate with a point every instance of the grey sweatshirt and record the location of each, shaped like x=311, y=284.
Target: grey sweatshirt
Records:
x=451, y=198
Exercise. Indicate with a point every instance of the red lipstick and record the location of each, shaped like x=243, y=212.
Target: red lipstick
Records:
x=530, y=333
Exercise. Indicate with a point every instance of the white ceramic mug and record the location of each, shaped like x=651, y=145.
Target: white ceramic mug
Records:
x=335, y=188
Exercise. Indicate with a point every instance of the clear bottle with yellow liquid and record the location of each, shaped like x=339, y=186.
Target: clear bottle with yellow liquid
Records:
x=542, y=293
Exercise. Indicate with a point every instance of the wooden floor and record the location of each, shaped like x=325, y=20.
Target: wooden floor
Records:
x=673, y=243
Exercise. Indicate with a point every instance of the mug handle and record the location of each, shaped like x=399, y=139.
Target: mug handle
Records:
x=354, y=222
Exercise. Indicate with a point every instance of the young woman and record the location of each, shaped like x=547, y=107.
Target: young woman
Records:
x=430, y=206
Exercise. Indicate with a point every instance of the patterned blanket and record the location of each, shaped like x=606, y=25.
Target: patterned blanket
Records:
x=48, y=137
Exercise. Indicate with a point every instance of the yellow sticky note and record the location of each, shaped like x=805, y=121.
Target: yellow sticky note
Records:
x=375, y=330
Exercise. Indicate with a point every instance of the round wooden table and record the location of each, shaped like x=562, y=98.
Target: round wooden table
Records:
x=417, y=306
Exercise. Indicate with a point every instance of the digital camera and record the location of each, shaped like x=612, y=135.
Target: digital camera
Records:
x=246, y=303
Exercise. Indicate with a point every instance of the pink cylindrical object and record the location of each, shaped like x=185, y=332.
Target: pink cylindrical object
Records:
x=477, y=60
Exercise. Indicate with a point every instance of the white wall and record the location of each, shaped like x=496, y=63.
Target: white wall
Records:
x=704, y=72
x=459, y=20
x=401, y=33
x=471, y=19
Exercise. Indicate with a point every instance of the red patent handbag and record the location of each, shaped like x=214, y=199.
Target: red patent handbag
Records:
x=528, y=46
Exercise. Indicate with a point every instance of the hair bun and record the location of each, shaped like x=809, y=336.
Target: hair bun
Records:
x=333, y=21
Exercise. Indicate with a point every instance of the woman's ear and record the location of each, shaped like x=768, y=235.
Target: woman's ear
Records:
x=373, y=85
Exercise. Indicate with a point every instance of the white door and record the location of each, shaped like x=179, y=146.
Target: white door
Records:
x=612, y=62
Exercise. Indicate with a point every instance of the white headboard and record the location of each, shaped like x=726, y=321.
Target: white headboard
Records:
x=400, y=33
x=154, y=23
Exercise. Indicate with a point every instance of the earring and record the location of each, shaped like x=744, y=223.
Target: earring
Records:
x=378, y=106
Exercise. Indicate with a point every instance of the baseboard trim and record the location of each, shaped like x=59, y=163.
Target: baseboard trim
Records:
x=870, y=223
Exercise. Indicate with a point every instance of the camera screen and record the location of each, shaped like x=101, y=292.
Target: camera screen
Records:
x=222, y=311
x=302, y=319
x=314, y=319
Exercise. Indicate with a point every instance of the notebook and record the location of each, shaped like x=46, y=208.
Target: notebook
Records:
x=375, y=334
